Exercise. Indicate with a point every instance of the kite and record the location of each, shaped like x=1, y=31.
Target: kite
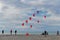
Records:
x=37, y=12
x=30, y=18
x=45, y=17
x=33, y=15
x=26, y=21
x=30, y=26
x=27, y=34
x=22, y=24
x=38, y=21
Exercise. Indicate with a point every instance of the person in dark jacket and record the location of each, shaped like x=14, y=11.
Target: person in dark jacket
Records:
x=11, y=32
x=57, y=32
x=15, y=32
x=45, y=32
x=2, y=31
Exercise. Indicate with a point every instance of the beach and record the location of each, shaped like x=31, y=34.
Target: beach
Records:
x=30, y=37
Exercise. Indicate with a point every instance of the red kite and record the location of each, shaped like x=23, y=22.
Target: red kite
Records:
x=45, y=17
x=22, y=24
x=33, y=15
x=26, y=21
x=30, y=18
x=27, y=34
x=30, y=26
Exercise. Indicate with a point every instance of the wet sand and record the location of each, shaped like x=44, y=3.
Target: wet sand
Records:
x=31, y=37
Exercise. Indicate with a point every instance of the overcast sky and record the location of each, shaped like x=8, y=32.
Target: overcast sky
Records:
x=14, y=12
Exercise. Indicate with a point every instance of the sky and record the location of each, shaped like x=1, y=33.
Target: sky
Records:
x=14, y=12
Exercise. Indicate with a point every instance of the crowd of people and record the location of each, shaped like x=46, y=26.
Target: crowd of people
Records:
x=44, y=33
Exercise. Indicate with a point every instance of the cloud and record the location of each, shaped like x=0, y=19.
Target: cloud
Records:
x=14, y=12
x=32, y=2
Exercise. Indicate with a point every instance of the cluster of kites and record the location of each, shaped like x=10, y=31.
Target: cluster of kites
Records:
x=30, y=19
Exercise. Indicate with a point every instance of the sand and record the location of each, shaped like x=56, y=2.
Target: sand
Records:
x=31, y=37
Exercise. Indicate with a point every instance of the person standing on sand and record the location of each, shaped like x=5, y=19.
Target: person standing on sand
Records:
x=11, y=32
x=57, y=32
x=45, y=33
x=15, y=32
x=2, y=31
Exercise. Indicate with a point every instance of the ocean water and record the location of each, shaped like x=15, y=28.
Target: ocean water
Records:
x=49, y=32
